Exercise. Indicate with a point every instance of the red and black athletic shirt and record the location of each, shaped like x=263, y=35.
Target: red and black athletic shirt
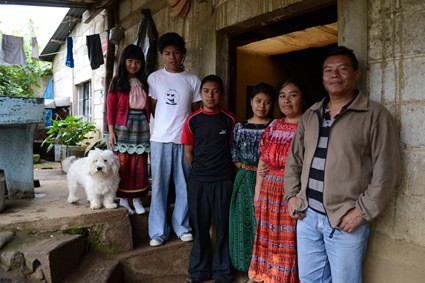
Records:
x=210, y=133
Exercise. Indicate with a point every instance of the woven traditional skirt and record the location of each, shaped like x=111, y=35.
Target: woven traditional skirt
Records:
x=274, y=257
x=242, y=219
x=132, y=150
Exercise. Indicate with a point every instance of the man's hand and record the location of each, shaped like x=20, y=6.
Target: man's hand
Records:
x=351, y=220
x=292, y=208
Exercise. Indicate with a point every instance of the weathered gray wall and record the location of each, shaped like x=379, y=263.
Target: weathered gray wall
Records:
x=396, y=59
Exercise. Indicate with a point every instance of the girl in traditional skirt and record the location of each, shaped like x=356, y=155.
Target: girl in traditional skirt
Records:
x=245, y=154
x=128, y=124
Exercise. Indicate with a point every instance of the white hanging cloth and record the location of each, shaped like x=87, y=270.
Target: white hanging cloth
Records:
x=34, y=48
x=12, y=50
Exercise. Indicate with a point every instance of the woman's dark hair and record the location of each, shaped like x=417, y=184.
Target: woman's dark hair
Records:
x=293, y=81
x=213, y=78
x=342, y=50
x=300, y=87
x=264, y=88
x=171, y=38
x=121, y=82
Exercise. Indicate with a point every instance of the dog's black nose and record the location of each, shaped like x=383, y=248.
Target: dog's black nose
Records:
x=99, y=168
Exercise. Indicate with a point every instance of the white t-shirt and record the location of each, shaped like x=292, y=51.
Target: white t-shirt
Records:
x=175, y=93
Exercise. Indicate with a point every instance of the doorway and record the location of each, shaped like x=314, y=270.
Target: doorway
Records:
x=294, y=47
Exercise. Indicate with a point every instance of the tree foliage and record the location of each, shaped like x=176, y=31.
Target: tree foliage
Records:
x=21, y=80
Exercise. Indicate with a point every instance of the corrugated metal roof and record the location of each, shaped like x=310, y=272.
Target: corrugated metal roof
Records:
x=53, y=3
x=71, y=19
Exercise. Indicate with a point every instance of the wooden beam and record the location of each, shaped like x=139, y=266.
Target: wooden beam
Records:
x=111, y=14
x=96, y=9
x=89, y=15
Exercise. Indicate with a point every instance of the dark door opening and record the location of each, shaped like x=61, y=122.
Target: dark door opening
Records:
x=305, y=63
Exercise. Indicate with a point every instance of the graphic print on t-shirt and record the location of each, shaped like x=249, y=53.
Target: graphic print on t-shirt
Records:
x=172, y=97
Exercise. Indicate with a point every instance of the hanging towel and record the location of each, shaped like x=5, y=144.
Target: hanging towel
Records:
x=69, y=57
x=94, y=48
x=12, y=50
x=34, y=48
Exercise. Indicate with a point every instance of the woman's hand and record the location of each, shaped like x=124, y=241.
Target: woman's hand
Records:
x=257, y=194
x=112, y=140
x=263, y=169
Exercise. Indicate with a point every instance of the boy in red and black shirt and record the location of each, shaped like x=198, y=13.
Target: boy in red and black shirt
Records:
x=207, y=136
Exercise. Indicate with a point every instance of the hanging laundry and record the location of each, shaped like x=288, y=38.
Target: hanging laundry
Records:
x=147, y=38
x=94, y=48
x=34, y=48
x=12, y=50
x=69, y=56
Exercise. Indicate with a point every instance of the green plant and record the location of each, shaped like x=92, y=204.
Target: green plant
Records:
x=69, y=131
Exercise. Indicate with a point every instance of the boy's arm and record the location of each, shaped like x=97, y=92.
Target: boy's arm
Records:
x=153, y=106
x=188, y=152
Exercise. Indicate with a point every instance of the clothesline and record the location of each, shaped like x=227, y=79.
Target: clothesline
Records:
x=12, y=50
x=54, y=53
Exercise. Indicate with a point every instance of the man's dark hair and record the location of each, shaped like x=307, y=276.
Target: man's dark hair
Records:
x=342, y=50
x=171, y=38
x=213, y=78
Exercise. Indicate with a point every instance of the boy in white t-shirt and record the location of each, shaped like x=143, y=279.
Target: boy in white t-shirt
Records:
x=175, y=94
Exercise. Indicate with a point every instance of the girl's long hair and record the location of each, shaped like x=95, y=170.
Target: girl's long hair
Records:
x=121, y=82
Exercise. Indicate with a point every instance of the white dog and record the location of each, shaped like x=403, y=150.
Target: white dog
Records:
x=97, y=174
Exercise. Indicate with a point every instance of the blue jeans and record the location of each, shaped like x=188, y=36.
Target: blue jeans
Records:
x=322, y=258
x=168, y=160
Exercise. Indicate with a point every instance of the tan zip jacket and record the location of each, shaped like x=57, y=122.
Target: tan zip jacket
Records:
x=363, y=163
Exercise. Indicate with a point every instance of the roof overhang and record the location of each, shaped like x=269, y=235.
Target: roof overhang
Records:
x=70, y=20
x=85, y=4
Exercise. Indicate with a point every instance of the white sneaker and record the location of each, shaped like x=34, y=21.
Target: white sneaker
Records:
x=138, y=206
x=186, y=237
x=124, y=203
x=155, y=243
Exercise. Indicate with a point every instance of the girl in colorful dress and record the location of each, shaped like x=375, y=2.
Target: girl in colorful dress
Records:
x=128, y=124
x=245, y=154
x=274, y=257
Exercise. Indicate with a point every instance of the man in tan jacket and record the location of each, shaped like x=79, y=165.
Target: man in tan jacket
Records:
x=341, y=171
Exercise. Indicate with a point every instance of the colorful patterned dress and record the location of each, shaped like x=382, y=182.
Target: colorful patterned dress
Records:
x=133, y=146
x=274, y=256
x=246, y=141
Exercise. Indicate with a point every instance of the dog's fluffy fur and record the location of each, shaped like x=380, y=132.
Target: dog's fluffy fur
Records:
x=97, y=174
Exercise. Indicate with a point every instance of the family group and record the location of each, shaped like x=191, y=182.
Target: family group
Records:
x=306, y=185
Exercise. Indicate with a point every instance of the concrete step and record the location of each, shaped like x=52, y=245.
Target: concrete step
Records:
x=166, y=263
x=43, y=256
x=146, y=263
x=96, y=268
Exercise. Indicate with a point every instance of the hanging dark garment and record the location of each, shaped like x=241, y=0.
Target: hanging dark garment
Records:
x=69, y=56
x=94, y=48
x=147, y=38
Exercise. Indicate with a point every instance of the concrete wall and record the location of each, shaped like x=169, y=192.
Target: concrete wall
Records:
x=396, y=59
